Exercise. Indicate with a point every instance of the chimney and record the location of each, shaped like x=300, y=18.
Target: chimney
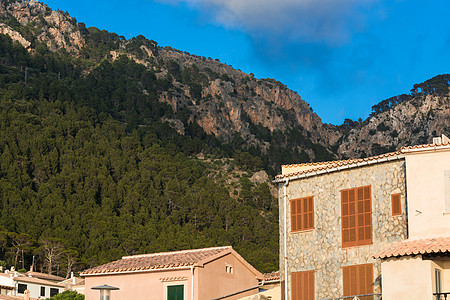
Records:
x=31, y=268
x=1, y=269
x=26, y=295
x=73, y=278
x=12, y=269
x=441, y=139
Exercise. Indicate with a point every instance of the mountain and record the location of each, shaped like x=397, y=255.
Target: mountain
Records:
x=261, y=116
x=112, y=147
x=407, y=119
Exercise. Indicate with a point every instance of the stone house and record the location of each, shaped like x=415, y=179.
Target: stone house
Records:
x=335, y=217
x=209, y=273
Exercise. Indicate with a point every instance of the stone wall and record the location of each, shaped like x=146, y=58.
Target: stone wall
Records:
x=321, y=249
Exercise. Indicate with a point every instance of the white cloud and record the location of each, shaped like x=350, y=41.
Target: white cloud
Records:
x=306, y=21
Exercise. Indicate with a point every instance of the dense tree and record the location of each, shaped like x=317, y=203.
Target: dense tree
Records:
x=68, y=295
x=89, y=173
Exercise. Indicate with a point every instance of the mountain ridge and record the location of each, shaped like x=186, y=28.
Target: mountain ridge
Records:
x=155, y=149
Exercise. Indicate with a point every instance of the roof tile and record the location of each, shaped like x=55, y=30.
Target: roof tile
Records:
x=338, y=163
x=157, y=261
x=414, y=247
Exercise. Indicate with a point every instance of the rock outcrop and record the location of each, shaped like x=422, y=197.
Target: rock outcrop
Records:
x=228, y=103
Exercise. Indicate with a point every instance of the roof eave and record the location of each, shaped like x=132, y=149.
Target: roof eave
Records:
x=339, y=168
x=136, y=271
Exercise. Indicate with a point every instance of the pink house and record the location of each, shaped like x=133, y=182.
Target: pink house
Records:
x=209, y=273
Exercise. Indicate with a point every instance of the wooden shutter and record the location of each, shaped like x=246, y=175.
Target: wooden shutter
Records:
x=302, y=285
x=356, y=213
x=364, y=219
x=302, y=214
x=358, y=280
x=396, y=205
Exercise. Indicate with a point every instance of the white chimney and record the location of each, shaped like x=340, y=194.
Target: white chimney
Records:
x=441, y=139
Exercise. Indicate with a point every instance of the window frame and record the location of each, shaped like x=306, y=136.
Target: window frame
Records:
x=356, y=216
x=298, y=282
x=174, y=286
x=298, y=216
x=54, y=292
x=21, y=288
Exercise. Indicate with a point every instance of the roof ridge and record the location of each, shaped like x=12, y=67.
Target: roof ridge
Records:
x=339, y=163
x=422, y=146
x=175, y=252
x=417, y=246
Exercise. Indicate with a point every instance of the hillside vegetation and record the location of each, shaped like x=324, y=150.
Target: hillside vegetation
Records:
x=112, y=147
x=77, y=175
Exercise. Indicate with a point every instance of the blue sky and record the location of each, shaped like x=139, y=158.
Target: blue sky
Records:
x=341, y=56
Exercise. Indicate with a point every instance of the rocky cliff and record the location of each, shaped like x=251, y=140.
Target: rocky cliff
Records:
x=411, y=122
x=233, y=106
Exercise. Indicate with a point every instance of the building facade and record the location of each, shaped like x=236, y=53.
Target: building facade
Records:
x=419, y=268
x=334, y=216
x=210, y=273
x=15, y=284
x=340, y=219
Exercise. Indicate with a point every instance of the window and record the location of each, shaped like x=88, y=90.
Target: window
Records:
x=358, y=280
x=396, y=205
x=42, y=291
x=175, y=292
x=54, y=292
x=229, y=269
x=438, y=281
x=21, y=288
x=356, y=210
x=302, y=214
x=302, y=285
x=447, y=190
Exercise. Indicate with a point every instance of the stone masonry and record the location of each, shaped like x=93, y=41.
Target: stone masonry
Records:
x=320, y=249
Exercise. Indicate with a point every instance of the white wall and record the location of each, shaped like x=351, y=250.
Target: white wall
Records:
x=407, y=278
x=35, y=289
x=426, y=173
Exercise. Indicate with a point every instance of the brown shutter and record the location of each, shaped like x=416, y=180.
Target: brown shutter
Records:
x=358, y=280
x=311, y=212
x=396, y=205
x=293, y=216
x=356, y=213
x=302, y=285
x=302, y=214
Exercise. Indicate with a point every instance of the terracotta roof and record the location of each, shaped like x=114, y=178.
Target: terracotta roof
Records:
x=414, y=247
x=274, y=276
x=5, y=297
x=313, y=164
x=425, y=147
x=341, y=164
x=335, y=165
x=44, y=276
x=36, y=280
x=163, y=260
